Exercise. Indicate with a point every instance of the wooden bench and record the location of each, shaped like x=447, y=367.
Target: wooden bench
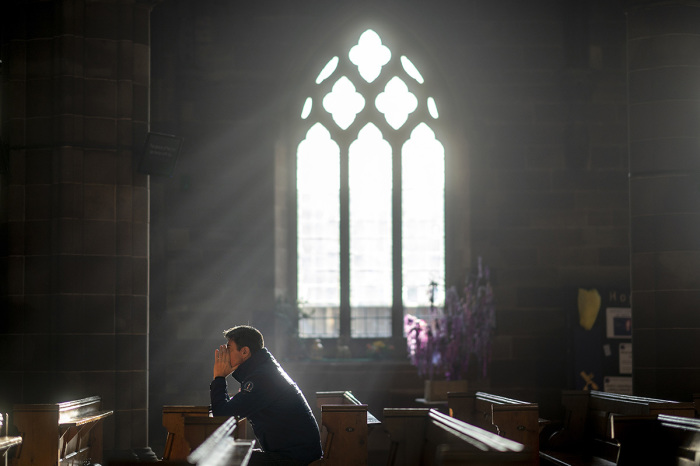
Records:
x=7, y=441
x=423, y=436
x=189, y=426
x=586, y=435
x=659, y=440
x=346, y=425
x=510, y=418
x=220, y=448
x=60, y=433
x=223, y=447
x=341, y=397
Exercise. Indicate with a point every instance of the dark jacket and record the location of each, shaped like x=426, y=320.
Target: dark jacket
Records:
x=280, y=415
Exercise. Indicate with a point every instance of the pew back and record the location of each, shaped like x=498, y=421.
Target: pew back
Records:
x=603, y=405
x=345, y=435
x=219, y=448
x=60, y=433
x=675, y=440
x=510, y=418
x=346, y=425
x=176, y=445
x=336, y=397
x=222, y=448
x=188, y=426
x=588, y=427
x=422, y=436
x=342, y=397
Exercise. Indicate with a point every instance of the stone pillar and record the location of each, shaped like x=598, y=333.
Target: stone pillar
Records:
x=664, y=150
x=75, y=88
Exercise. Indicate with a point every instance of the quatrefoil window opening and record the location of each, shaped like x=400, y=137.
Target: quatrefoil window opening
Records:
x=370, y=55
x=396, y=102
x=344, y=102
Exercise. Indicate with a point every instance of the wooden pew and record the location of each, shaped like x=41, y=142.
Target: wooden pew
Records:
x=346, y=425
x=220, y=448
x=60, y=433
x=422, y=436
x=510, y=418
x=587, y=436
x=658, y=440
x=176, y=445
x=344, y=435
x=7, y=441
x=188, y=426
x=343, y=397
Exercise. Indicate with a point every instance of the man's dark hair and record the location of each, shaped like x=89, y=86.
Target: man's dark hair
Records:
x=245, y=335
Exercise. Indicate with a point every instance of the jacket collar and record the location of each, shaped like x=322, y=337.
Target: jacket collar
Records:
x=257, y=358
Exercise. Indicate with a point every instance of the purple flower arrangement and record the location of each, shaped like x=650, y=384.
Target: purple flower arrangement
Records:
x=454, y=338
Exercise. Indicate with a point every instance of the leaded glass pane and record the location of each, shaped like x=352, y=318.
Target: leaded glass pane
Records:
x=370, y=220
x=423, y=217
x=318, y=224
x=324, y=322
x=371, y=322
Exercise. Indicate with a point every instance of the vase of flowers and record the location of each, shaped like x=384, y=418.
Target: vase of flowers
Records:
x=454, y=343
x=379, y=349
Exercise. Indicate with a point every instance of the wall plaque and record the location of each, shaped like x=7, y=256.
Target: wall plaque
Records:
x=160, y=154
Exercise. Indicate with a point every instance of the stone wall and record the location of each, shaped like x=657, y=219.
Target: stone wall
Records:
x=75, y=243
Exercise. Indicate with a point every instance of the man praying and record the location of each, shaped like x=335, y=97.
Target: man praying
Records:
x=282, y=421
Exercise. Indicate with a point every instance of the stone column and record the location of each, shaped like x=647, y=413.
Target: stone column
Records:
x=75, y=86
x=664, y=150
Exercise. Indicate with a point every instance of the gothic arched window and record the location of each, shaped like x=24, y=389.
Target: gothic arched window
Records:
x=370, y=192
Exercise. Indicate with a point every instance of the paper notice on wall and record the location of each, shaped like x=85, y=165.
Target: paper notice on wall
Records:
x=622, y=385
x=618, y=322
x=625, y=358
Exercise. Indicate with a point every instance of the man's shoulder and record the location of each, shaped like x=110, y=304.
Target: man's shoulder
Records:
x=268, y=377
x=260, y=373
